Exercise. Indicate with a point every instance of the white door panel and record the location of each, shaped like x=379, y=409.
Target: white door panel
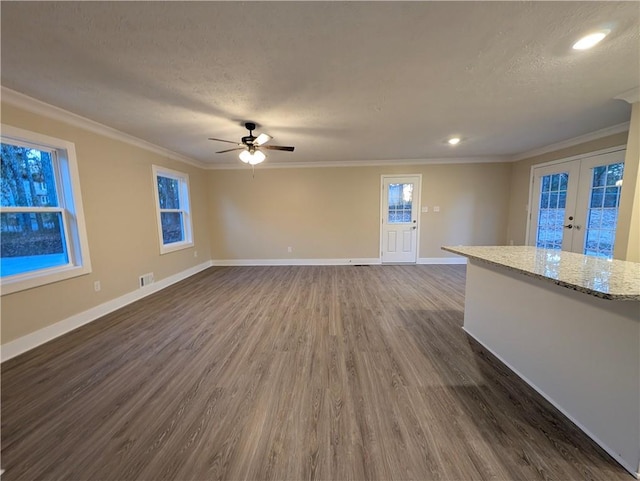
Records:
x=391, y=242
x=407, y=240
x=400, y=207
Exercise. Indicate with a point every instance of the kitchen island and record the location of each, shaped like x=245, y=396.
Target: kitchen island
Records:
x=569, y=325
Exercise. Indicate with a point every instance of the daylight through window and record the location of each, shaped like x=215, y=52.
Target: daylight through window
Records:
x=172, y=206
x=40, y=219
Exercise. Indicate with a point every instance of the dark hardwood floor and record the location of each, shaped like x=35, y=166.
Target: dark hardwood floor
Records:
x=289, y=373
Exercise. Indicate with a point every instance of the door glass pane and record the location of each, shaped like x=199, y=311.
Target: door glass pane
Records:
x=602, y=215
x=553, y=194
x=562, y=198
x=400, y=203
x=597, y=197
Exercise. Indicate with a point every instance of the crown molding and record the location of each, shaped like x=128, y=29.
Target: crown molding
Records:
x=632, y=95
x=598, y=134
x=17, y=99
x=364, y=163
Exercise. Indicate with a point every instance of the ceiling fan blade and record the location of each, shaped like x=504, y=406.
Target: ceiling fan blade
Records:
x=278, y=147
x=221, y=140
x=230, y=150
x=262, y=139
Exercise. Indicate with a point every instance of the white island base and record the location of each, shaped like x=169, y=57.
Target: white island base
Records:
x=579, y=351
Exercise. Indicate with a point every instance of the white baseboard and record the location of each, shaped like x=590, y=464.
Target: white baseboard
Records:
x=46, y=334
x=442, y=260
x=329, y=262
x=295, y=262
x=611, y=452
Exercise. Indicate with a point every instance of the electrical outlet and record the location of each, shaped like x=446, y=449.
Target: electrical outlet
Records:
x=289, y=249
x=97, y=286
x=195, y=253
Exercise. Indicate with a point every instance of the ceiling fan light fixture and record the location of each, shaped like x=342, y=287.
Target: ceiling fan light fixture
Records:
x=590, y=40
x=252, y=158
x=257, y=158
x=454, y=141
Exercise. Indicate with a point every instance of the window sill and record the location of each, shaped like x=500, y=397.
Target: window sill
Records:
x=22, y=282
x=178, y=246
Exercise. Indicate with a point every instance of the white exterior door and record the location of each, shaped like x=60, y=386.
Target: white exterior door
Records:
x=400, y=206
x=598, y=202
x=553, y=204
x=574, y=205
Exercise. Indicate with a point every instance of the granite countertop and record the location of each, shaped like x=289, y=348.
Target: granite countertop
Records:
x=608, y=279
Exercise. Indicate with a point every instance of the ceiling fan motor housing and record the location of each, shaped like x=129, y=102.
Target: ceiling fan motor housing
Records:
x=248, y=140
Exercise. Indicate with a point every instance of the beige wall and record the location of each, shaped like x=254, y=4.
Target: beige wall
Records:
x=521, y=177
x=334, y=213
x=117, y=191
x=628, y=234
x=323, y=213
x=330, y=213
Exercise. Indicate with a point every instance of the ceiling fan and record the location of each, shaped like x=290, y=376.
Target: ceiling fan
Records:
x=251, y=146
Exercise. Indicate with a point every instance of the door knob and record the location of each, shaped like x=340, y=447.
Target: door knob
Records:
x=414, y=227
x=568, y=226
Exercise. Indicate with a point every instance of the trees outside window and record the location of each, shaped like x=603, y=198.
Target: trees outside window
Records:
x=173, y=209
x=31, y=222
x=43, y=238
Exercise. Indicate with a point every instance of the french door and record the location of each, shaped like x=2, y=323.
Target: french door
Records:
x=400, y=204
x=574, y=204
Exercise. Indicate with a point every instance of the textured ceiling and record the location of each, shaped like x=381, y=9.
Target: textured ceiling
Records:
x=342, y=81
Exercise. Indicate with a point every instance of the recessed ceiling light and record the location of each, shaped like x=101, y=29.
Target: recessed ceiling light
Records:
x=454, y=140
x=590, y=40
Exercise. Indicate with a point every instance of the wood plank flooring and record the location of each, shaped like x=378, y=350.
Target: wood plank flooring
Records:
x=296, y=373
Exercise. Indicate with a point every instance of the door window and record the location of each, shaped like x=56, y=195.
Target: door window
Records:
x=553, y=199
x=400, y=203
x=602, y=216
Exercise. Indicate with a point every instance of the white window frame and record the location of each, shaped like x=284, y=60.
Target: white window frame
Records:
x=65, y=166
x=185, y=208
